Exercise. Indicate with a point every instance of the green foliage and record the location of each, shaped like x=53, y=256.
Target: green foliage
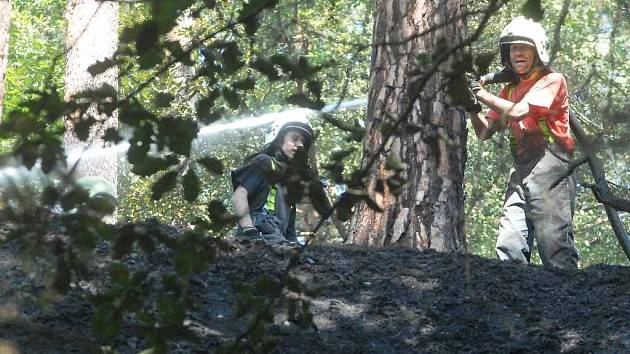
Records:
x=159, y=302
x=191, y=185
x=212, y=164
x=239, y=59
x=533, y=9
x=259, y=300
x=164, y=184
x=35, y=49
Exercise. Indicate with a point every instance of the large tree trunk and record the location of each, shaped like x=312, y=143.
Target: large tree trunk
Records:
x=91, y=36
x=5, y=24
x=428, y=211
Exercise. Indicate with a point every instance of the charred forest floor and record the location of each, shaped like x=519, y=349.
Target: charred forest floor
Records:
x=374, y=300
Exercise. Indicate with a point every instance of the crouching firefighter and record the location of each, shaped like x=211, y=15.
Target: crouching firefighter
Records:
x=260, y=198
x=535, y=108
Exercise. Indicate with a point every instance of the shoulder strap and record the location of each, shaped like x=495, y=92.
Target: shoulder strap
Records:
x=270, y=205
x=510, y=90
x=542, y=125
x=546, y=132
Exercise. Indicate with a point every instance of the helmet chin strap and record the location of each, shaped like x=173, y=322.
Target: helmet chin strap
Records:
x=275, y=151
x=280, y=156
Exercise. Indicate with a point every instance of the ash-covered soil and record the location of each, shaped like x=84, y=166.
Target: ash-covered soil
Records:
x=374, y=301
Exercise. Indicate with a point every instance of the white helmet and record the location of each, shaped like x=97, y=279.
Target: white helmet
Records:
x=297, y=120
x=524, y=30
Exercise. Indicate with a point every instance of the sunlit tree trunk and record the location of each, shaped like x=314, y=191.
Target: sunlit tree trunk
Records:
x=183, y=74
x=5, y=23
x=91, y=36
x=428, y=212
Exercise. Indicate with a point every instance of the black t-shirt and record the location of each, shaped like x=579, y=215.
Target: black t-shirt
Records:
x=258, y=177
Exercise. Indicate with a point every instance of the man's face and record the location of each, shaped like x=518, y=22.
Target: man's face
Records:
x=291, y=142
x=522, y=57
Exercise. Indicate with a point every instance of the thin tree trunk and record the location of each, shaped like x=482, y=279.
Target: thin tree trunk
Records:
x=182, y=73
x=91, y=36
x=5, y=24
x=429, y=210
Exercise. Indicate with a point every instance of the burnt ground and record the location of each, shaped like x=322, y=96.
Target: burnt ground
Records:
x=373, y=301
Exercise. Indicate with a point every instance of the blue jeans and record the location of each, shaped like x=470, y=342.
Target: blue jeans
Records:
x=533, y=211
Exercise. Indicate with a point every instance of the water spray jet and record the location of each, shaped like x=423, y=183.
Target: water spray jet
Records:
x=215, y=128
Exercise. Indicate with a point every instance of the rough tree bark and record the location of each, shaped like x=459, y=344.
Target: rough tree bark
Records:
x=91, y=36
x=428, y=213
x=5, y=24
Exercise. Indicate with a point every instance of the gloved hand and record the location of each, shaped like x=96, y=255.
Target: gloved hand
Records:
x=474, y=107
x=474, y=85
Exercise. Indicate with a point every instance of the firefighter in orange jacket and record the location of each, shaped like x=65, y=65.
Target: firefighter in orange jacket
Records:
x=536, y=110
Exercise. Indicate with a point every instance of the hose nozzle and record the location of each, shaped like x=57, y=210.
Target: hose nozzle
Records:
x=499, y=77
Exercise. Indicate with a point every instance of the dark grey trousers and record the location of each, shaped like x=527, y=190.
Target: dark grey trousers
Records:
x=271, y=228
x=533, y=211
